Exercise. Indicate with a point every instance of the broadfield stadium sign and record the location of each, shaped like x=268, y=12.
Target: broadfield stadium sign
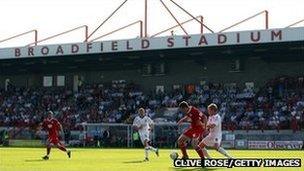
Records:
x=158, y=43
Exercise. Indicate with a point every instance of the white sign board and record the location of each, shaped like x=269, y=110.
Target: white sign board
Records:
x=275, y=144
x=158, y=43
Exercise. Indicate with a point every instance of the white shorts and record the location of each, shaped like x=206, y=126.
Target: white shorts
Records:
x=144, y=135
x=210, y=141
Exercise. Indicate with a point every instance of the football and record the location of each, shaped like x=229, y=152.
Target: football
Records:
x=174, y=155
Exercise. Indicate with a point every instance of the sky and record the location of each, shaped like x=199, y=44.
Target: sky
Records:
x=50, y=17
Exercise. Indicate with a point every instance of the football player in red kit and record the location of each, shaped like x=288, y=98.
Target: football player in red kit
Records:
x=52, y=126
x=196, y=130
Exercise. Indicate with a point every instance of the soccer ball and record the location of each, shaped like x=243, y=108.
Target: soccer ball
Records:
x=174, y=155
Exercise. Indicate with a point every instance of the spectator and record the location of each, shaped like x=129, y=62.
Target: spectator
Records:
x=278, y=105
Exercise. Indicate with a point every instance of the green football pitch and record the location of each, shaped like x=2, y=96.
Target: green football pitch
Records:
x=28, y=159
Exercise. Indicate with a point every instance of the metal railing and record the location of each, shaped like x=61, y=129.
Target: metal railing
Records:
x=249, y=18
x=62, y=33
x=22, y=34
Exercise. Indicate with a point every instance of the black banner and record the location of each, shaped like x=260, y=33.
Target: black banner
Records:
x=243, y=162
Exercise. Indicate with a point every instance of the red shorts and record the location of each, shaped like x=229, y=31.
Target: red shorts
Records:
x=193, y=132
x=53, y=140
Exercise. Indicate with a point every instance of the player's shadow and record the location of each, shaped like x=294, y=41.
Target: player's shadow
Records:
x=34, y=160
x=193, y=169
x=132, y=162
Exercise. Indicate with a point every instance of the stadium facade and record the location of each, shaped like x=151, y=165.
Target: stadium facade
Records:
x=233, y=57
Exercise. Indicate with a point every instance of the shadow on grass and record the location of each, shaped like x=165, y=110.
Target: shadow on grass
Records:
x=132, y=162
x=34, y=160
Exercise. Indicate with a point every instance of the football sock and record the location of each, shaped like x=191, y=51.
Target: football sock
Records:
x=224, y=152
x=206, y=154
x=184, y=150
x=48, y=151
x=146, y=152
x=62, y=148
x=200, y=152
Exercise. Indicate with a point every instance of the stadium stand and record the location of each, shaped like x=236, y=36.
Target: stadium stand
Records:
x=277, y=105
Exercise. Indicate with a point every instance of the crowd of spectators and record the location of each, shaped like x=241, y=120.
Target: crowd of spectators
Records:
x=92, y=103
x=277, y=105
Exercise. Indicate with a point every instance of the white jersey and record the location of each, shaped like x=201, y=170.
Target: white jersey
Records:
x=145, y=122
x=216, y=131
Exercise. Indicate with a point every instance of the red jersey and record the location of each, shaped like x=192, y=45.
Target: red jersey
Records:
x=52, y=126
x=194, y=114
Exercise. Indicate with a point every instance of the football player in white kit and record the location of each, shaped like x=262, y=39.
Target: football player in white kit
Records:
x=143, y=124
x=214, y=124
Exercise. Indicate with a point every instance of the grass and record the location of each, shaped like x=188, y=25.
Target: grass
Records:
x=29, y=159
